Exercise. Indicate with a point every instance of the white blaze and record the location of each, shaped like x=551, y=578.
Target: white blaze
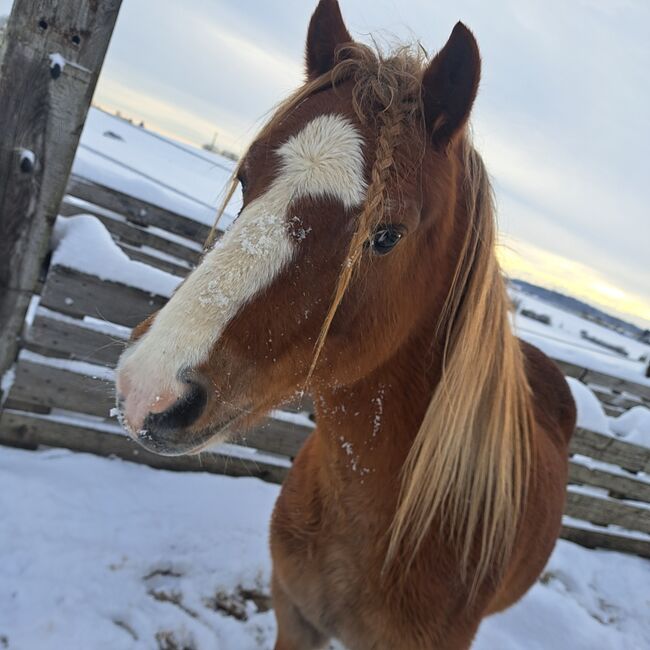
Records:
x=324, y=159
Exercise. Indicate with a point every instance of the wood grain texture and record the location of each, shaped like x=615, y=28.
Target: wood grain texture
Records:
x=617, y=400
x=622, y=487
x=166, y=265
x=54, y=337
x=633, y=458
x=42, y=110
x=599, y=379
x=276, y=436
x=603, y=511
x=79, y=294
x=616, y=383
x=607, y=540
x=51, y=387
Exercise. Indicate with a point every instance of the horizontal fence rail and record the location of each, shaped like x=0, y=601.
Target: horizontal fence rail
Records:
x=137, y=211
x=616, y=385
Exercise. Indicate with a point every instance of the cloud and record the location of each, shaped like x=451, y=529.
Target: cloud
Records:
x=195, y=64
x=573, y=206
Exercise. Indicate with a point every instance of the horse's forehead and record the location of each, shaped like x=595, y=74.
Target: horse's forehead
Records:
x=324, y=158
x=319, y=140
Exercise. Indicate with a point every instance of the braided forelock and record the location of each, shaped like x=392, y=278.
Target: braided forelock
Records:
x=386, y=97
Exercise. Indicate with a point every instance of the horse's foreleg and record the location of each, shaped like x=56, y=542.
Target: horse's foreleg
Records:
x=294, y=632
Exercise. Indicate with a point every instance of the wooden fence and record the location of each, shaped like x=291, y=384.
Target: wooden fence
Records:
x=50, y=61
x=62, y=389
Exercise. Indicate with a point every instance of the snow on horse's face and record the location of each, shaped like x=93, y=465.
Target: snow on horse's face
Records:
x=236, y=337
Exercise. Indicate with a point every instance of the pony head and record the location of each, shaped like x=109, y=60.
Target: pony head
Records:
x=344, y=244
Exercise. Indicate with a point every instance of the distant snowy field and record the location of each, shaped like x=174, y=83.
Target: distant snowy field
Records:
x=104, y=554
x=567, y=327
x=561, y=340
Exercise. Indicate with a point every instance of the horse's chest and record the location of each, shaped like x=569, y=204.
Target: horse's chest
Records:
x=329, y=583
x=329, y=564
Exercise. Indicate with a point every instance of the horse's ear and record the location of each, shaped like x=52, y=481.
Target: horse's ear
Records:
x=449, y=86
x=327, y=32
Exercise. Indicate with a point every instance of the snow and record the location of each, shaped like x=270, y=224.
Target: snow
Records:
x=633, y=425
x=561, y=340
x=170, y=236
x=632, y=371
x=154, y=252
x=152, y=168
x=27, y=156
x=611, y=529
x=6, y=382
x=103, y=327
x=589, y=490
x=585, y=600
x=592, y=463
x=105, y=554
x=31, y=310
x=61, y=416
x=590, y=411
x=84, y=244
x=301, y=419
x=91, y=208
x=57, y=59
x=80, y=367
x=567, y=326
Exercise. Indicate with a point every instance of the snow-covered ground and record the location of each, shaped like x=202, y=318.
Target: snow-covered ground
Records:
x=104, y=554
x=632, y=425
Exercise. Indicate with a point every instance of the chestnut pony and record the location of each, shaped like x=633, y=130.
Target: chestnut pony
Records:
x=362, y=265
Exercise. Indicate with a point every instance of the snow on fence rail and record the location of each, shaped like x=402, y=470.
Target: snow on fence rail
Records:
x=615, y=393
x=151, y=234
x=121, y=264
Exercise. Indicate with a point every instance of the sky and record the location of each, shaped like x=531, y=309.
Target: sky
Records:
x=561, y=118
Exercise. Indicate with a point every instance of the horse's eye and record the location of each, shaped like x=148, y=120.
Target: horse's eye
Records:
x=385, y=239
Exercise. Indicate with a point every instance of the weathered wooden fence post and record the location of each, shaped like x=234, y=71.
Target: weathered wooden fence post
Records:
x=51, y=56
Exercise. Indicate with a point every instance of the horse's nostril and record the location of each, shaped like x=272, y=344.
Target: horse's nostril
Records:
x=182, y=414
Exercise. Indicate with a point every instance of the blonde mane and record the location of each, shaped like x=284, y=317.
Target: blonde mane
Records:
x=469, y=464
x=467, y=469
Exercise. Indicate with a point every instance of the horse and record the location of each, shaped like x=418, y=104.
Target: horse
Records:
x=362, y=267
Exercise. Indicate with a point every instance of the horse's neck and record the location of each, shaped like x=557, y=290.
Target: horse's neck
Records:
x=366, y=429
